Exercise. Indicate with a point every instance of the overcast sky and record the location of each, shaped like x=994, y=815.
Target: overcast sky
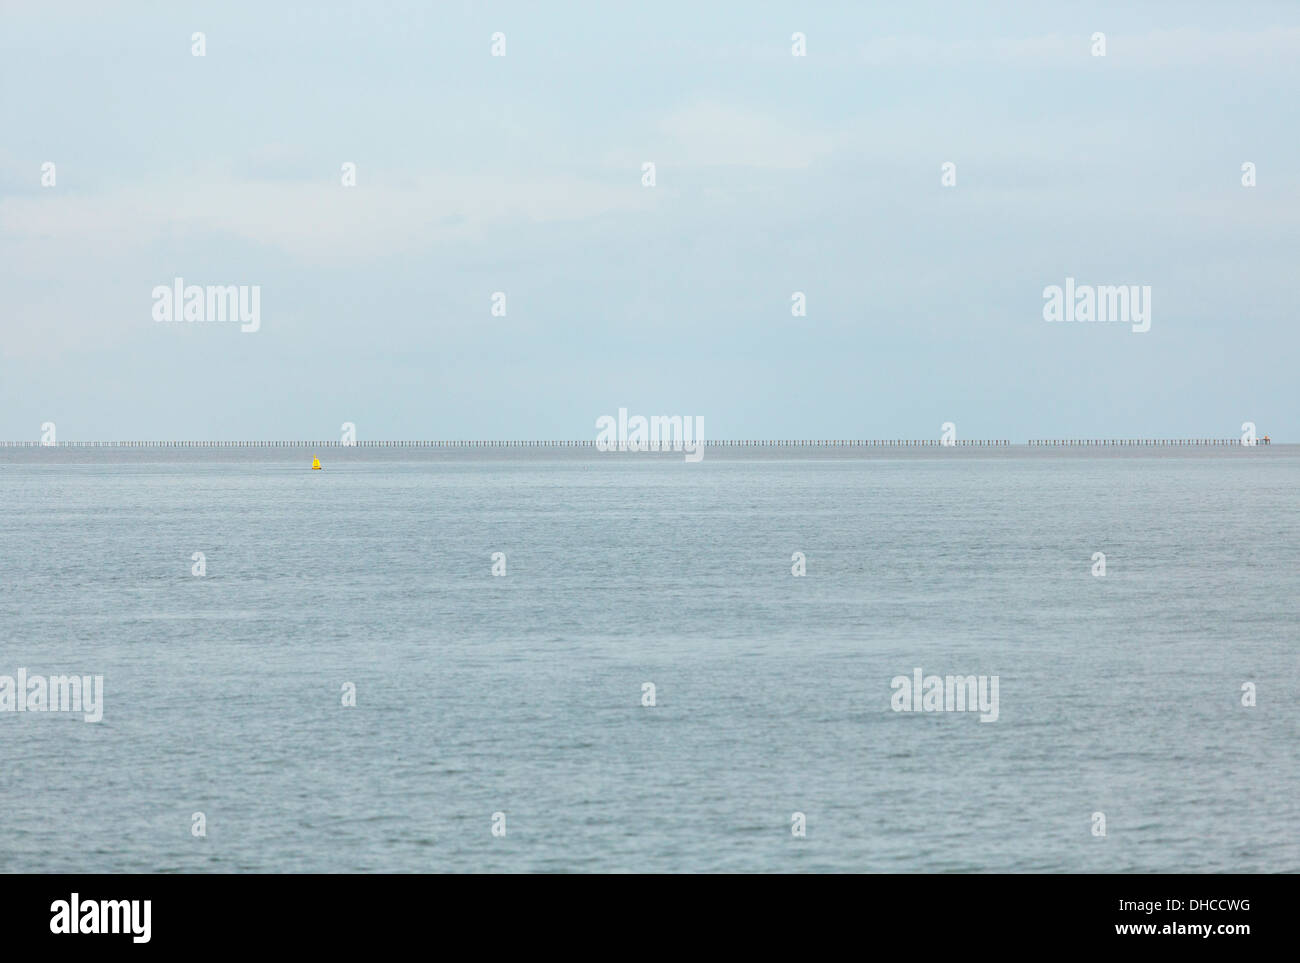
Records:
x=522, y=174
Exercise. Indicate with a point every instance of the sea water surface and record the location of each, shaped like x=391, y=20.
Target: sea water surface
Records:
x=479, y=694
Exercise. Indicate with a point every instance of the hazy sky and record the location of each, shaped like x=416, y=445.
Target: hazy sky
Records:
x=523, y=174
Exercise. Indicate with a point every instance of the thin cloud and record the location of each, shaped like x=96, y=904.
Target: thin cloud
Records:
x=320, y=220
x=1183, y=46
x=712, y=134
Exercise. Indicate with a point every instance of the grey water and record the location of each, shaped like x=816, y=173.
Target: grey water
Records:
x=522, y=694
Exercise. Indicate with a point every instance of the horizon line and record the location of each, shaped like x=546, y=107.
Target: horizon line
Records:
x=1078, y=442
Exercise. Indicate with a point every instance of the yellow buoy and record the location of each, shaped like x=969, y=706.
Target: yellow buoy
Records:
x=315, y=464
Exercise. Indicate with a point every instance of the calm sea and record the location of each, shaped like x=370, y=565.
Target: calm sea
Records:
x=522, y=694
